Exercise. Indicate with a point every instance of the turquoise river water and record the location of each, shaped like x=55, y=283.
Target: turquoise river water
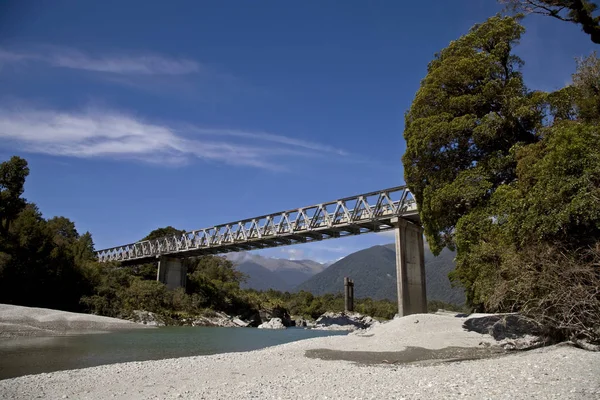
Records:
x=24, y=356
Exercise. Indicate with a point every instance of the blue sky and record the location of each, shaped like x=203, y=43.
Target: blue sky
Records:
x=136, y=115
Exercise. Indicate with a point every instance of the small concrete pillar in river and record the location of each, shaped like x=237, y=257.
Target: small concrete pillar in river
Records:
x=172, y=272
x=348, y=294
x=410, y=268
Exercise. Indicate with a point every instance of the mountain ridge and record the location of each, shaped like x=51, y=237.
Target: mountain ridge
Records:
x=374, y=273
x=274, y=273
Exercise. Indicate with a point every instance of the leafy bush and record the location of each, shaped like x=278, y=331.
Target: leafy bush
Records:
x=146, y=295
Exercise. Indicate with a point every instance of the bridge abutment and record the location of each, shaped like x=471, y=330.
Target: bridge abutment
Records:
x=172, y=272
x=410, y=268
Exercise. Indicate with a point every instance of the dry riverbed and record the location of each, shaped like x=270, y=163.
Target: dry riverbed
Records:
x=413, y=357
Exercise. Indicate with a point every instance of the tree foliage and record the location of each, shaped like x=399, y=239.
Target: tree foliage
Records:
x=12, y=181
x=586, y=89
x=148, y=270
x=576, y=11
x=536, y=192
x=163, y=232
x=471, y=109
x=307, y=305
x=42, y=262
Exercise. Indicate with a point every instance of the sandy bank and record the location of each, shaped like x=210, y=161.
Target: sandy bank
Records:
x=18, y=321
x=284, y=372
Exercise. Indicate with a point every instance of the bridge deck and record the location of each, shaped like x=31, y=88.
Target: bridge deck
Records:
x=355, y=215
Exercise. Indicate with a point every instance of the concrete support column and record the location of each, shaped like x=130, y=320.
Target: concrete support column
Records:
x=348, y=294
x=351, y=296
x=171, y=272
x=410, y=268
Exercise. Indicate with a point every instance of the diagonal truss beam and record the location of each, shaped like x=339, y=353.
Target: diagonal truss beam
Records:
x=355, y=215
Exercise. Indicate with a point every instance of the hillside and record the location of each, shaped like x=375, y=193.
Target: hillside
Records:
x=374, y=273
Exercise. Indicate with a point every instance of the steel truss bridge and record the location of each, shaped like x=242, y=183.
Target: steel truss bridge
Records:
x=355, y=215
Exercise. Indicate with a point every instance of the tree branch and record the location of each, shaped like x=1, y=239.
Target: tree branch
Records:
x=579, y=12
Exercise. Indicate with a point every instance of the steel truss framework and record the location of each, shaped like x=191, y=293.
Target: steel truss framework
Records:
x=369, y=212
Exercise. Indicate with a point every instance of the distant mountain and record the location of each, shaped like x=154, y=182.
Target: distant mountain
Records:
x=374, y=273
x=260, y=278
x=273, y=273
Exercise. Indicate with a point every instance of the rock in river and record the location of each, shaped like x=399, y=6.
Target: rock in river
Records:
x=274, y=323
x=343, y=321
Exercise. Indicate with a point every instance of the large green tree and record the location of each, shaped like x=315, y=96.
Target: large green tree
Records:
x=42, y=262
x=511, y=178
x=471, y=109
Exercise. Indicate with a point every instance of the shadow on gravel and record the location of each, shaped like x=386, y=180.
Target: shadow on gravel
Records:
x=411, y=355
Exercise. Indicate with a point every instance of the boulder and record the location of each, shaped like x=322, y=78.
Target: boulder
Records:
x=274, y=323
x=276, y=312
x=512, y=331
x=343, y=321
x=303, y=322
x=147, y=318
x=221, y=320
x=252, y=317
x=240, y=323
x=503, y=326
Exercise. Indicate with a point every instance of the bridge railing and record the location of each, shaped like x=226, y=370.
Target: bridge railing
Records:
x=306, y=223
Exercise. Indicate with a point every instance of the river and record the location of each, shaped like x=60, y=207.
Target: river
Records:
x=24, y=356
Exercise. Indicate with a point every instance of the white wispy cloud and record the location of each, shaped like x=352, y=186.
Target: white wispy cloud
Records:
x=272, y=138
x=7, y=57
x=113, y=63
x=294, y=254
x=109, y=134
x=324, y=252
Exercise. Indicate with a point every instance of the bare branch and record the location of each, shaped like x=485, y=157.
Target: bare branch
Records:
x=560, y=290
x=575, y=11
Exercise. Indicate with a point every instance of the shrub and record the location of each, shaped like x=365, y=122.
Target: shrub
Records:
x=558, y=288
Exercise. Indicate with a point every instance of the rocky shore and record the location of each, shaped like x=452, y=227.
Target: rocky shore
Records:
x=344, y=321
x=267, y=319
x=415, y=357
x=210, y=319
x=18, y=321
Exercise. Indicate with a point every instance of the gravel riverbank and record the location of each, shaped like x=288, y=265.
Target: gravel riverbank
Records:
x=284, y=372
x=18, y=321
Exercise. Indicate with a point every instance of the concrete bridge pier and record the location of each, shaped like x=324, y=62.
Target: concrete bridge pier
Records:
x=172, y=272
x=348, y=294
x=410, y=267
